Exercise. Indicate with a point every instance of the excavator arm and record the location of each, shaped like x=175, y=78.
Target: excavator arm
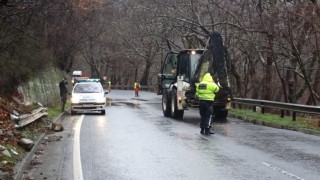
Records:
x=214, y=60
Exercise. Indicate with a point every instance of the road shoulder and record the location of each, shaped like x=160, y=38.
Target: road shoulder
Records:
x=46, y=158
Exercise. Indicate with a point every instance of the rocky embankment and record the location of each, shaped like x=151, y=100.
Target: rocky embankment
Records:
x=11, y=139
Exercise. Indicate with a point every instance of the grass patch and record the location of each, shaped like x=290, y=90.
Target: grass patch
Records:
x=301, y=123
x=8, y=162
x=30, y=132
x=55, y=111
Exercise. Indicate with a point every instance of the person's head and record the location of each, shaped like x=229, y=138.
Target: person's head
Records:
x=207, y=77
x=65, y=80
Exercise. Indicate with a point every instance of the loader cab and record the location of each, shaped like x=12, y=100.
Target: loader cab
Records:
x=187, y=63
x=169, y=70
x=183, y=63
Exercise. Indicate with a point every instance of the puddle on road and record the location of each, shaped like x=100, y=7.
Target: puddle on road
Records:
x=113, y=104
x=135, y=106
x=117, y=103
x=139, y=99
x=181, y=136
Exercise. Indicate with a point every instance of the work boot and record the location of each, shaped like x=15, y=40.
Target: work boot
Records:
x=202, y=131
x=208, y=131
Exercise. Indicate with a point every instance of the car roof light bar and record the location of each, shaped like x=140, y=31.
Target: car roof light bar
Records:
x=88, y=80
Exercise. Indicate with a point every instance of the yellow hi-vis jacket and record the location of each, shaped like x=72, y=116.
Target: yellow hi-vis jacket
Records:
x=206, y=88
x=136, y=85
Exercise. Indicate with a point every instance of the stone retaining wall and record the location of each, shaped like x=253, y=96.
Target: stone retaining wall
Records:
x=43, y=88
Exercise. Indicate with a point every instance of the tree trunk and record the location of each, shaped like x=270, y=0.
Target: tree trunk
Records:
x=136, y=75
x=291, y=82
x=268, y=82
x=237, y=79
x=145, y=76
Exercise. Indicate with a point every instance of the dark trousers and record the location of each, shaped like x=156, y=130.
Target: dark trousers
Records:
x=63, y=101
x=205, y=109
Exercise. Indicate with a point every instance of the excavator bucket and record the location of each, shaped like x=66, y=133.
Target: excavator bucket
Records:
x=212, y=60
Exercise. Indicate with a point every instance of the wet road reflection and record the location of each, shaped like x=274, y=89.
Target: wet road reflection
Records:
x=135, y=141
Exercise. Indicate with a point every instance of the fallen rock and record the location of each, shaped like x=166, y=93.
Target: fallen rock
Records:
x=14, y=112
x=54, y=138
x=28, y=177
x=14, y=152
x=2, y=148
x=57, y=127
x=40, y=150
x=4, y=162
x=6, y=153
x=10, y=133
x=36, y=162
x=26, y=144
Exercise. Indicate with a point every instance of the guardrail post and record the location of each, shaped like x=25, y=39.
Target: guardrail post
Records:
x=282, y=113
x=294, y=115
x=262, y=110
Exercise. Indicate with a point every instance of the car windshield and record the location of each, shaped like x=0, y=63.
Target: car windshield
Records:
x=88, y=88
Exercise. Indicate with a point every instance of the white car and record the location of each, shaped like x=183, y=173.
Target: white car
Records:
x=88, y=96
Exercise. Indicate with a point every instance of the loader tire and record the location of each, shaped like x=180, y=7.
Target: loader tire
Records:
x=175, y=113
x=166, y=103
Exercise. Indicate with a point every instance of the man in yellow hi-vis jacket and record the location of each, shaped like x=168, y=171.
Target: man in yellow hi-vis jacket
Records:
x=205, y=92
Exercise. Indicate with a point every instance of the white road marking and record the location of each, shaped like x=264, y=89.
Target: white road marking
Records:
x=282, y=171
x=77, y=167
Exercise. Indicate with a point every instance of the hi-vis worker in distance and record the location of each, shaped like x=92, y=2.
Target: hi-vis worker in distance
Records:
x=205, y=92
x=136, y=88
x=109, y=86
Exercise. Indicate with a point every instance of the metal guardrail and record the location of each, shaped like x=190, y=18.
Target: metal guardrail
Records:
x=130, y=87
x=26, y=119
x=277, y=105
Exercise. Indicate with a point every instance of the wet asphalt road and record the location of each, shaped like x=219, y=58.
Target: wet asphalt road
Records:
x=135, y=141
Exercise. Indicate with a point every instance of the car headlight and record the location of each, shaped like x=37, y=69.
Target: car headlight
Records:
x=101, y=100
x=74, y=100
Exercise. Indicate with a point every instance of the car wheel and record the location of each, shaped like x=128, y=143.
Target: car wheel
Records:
x=103, y=112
